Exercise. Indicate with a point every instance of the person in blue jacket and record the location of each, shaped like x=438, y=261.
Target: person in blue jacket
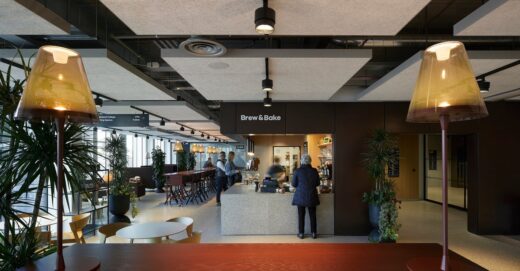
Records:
x=305, y=180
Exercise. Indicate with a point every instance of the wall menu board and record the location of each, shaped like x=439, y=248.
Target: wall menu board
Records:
x=124, y=120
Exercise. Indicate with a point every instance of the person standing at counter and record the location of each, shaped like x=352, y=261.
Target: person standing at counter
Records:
x=276, y=171
x=220, y=175
x=231, y=169
x=305, y=180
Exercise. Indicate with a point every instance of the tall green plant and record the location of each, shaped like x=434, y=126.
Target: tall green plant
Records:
x=182, y=161
x=115, y=149
x=381, y=154
x=158, y=157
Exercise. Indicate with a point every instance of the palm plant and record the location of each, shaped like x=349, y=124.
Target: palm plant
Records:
x=158, y=157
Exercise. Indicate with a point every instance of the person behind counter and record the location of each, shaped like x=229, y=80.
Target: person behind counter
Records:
x=276, y=171
x=231, y=169
x=208, y=163
x=306, y=179
x=220, y=175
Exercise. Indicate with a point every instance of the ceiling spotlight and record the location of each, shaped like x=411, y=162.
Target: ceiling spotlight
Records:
x=98, y=101
x=147, y=137
x=161, y=139
x=267, y=100
x=202, y=135
x=136, y=135
x=264, y=19
x=182, y=128
x=192, y=132
x=114, y=132
x=95, y=129
x=483, y=85
x=169, y=141
x=162, y=122
x=215, y=139
x=208, y=137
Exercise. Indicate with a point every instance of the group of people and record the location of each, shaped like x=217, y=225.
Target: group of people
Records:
x=226, y=173
x=305, y=179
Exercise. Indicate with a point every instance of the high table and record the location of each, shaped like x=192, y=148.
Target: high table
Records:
x=153, y=231
x=251, y=257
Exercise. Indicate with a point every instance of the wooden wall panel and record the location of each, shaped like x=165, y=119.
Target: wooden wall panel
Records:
x=407, y=184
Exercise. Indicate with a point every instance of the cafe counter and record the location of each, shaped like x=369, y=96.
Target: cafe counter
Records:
x=246, y=212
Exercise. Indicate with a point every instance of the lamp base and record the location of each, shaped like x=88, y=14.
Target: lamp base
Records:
x=434, y=264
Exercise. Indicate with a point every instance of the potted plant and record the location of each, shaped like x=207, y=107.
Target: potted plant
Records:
x=382, y=203
x=121, y=192
x=158, y=157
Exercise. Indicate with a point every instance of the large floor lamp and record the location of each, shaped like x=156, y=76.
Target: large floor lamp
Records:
x=446, y=91
x=57, y=90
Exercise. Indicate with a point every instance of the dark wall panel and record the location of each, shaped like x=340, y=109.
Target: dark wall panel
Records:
x=305, y=117
x=354, y=124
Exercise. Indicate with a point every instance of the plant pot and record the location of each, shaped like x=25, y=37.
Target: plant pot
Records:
x=373, y=215
x=119, y=204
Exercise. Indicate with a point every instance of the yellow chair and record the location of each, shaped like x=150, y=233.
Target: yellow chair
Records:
x=193, y=239
x=110, y=230
x=76, y=226
x=188, y=221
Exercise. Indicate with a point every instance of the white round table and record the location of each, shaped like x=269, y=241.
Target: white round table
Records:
x=153, y=231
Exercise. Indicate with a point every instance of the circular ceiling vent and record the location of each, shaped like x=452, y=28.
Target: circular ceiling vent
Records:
x=203, y=47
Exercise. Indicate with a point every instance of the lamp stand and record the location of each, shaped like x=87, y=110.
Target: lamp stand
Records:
x=432, y=263
x=76, y=264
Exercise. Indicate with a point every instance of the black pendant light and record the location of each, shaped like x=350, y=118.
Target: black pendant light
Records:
x=267, y=100
x=182, y=128
x=136, y=135
x=208, y=137
x=202, y=135
x=267, y=84
x=114, y=131
x=95, y=128
x=162, y=122
x=98, y=101
x=192, y=132
x=147, y=137
x=264, y=19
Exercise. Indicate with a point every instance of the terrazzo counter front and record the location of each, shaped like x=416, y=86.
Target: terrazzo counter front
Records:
x=246, y=212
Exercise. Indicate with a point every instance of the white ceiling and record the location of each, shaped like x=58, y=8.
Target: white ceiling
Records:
x=494, y=18
x=174, y=112
x=16, y=19
x=202, y=126
x=298, y=75
x=107, y=74
x=398, y=84
x=294, y=17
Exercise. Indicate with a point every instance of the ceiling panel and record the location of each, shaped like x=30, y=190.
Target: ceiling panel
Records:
x=295, y=17
x=494, y=18
x=107, y=74
x=174, y=112
x=398, y=84
x=202, y=126
x=298, y=75
x=16, y=19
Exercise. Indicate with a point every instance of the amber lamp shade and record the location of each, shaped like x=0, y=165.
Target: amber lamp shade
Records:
x=178, y=147
x=57, y=87
x=446, y=86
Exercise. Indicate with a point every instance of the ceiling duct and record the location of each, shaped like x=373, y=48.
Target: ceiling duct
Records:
x=200, y=46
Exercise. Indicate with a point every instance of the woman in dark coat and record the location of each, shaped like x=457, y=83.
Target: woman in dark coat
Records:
x=306, y=179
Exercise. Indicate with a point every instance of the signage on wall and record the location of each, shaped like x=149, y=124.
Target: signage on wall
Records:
x=124, y=120
x=261, y=117
x=239, y=147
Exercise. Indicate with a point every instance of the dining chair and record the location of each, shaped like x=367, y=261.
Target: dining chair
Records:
x=193, y=239
x=188, y=221
x=76, y=226
x=110, y=230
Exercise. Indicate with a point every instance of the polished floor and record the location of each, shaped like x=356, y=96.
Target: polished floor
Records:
x=420, y=221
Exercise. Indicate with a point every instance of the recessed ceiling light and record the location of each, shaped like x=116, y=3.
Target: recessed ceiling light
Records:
x=265, y=19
